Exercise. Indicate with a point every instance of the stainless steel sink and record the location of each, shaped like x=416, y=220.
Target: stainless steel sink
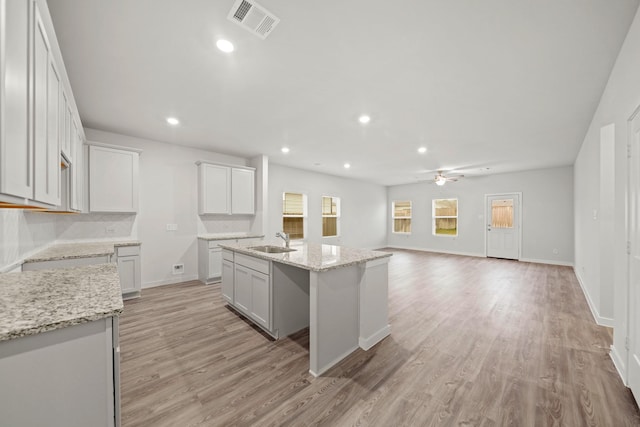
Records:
x=269, y=249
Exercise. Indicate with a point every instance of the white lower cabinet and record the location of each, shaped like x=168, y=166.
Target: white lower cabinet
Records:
x=250, y=285
x=65, y=377
x=128, y=259
x=227, y=279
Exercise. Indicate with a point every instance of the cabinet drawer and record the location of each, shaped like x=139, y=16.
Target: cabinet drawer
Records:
x=228, y=255
x=256, y=264
x=215, y=243
x=128, y=250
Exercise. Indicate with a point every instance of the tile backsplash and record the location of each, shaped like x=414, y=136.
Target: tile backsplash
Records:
x=24, y=232
x=96, y=226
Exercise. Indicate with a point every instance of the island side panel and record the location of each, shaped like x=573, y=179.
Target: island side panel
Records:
x=59, y=378
x=290, y=299
x=374, y=303
x=334, y=320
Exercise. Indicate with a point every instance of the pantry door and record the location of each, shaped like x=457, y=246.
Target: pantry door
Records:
x=503, y=225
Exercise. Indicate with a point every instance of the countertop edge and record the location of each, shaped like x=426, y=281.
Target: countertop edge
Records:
x=230, y=237
x=266, y=257
x=36, y=258
x=59, y=325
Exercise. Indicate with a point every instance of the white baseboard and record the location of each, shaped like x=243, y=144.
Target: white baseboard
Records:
x=326, y=367
x=547, y=261
x=619, y=364
x=438, y=251
x=172, y=281
x=600, y=320
x=367, y=343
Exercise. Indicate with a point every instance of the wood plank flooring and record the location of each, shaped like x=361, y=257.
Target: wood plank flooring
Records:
x=474, y=342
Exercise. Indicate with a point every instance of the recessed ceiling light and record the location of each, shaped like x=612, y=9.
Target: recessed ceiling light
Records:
x=173, y=121
x=422, y=150
x=285, y=149
x=225, y=45
x=364, y=119
x=347, y=165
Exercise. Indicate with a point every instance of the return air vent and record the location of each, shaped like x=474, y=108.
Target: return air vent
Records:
x=253, y=17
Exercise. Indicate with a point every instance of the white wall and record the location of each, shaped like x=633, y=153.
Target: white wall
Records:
x=23, y=233
x=547, y=213
x=620, y=99
x=168, y=195
x=363, y=206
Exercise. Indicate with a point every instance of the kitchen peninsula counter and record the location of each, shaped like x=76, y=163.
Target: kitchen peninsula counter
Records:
x=312, y=256
x=339, y=293
x=33, y=302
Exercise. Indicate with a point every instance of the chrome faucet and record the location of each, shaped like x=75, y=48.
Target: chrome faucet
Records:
x=284, y=237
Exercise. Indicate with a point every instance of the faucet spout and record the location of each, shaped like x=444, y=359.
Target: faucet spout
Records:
x=284, y=236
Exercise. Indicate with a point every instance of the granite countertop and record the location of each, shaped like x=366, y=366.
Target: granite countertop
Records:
x=32, y=302
x=229, y=236
x=62, y=251
x=313, y=257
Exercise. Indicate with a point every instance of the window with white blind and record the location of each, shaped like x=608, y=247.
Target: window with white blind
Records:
x=294, y=213
x=401, y=214
x=445, y=217
x=330, y=216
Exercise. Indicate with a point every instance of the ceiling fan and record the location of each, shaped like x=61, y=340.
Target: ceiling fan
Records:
x=441, y=179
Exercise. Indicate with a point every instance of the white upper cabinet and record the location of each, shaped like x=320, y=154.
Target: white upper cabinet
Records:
x=76, y=187
x=36, y=106
x=46, y=135
x=227, y=190
x=16, y=162
x=242, y=191
x=113, y=179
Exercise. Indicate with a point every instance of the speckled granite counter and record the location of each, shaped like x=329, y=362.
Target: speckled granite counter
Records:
x=38, y=301
x=78, y=250
x=313, y=257
x=230, y=236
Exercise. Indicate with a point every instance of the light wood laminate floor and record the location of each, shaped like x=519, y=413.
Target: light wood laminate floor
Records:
x=474, y=342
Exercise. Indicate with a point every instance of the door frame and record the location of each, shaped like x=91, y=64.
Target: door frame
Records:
x=519, y=216
x=629, y=206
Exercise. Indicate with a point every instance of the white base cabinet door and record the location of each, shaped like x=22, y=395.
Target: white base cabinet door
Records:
x=227, y=281
x=128, y=260
x=260, y=299
x=242, y=291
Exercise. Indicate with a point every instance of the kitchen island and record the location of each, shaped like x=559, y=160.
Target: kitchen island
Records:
x=339, y=293
x=59, y=356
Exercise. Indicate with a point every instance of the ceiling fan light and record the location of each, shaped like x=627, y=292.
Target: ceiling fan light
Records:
x=440, y=180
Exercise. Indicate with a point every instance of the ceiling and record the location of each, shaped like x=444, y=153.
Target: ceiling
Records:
x=498, y=84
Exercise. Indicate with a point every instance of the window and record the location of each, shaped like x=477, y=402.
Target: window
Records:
x=502, y=213
x=445, y=217
x=401, y=217
x=330, y=216
x=294, y=209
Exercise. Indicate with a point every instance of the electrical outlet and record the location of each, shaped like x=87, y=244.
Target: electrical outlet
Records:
x=178, y=268
x=110, y=229
x=172, y=227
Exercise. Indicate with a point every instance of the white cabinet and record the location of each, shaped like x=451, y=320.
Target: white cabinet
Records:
x=226, y=190
x=210, y=256
x=215, y=262
x=227, y=278
x=65, y=377
x=128, y=259
x=76, y=185
x=251, y=288
x=242, y=288
x=113, y=179
x=33, y=105
x=16, y=161
x=242, y=191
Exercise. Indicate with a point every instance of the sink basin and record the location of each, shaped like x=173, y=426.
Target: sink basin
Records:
x=271, y=249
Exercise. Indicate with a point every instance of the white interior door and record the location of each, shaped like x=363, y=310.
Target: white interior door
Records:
x=634, y=261
x=503, y=225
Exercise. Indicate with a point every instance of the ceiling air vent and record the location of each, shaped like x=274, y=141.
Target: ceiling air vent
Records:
x=253, y=17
